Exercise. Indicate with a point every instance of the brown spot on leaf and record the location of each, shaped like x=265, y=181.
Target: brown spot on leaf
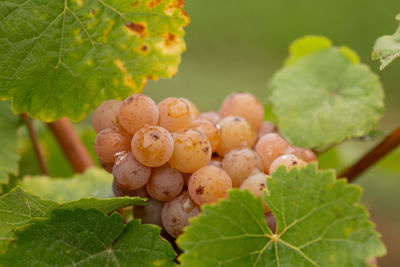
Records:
x=154, y=3
x=94, y=11
x=128, y=81
x=135, y=4
x=144, y=48
x=137, y=28
x=170, y=39
x=151, y=77
x=200, y=190
x=177, y=4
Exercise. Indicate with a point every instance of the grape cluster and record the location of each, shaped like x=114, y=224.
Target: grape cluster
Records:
x=181, y=159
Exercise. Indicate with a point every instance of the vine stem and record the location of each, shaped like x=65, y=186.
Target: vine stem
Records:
x=386, y=146
x=71, y=144
x=35, y=142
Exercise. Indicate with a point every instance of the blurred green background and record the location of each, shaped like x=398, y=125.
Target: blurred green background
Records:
x=238, y=45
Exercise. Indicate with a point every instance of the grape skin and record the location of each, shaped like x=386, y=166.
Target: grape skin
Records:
x=256, y=184
x=266, y=128
x=211, y=116
x=191, y=151
x=305, y=154
x=209, y=184
x=209, y=129
x=176, y=213
x=106, y=115
x=174, y=114
x=194, y=112
x=152, y=146
x=137, y=111
x=108, y=142
x=107, y=166
x=119, y=192
x=289, y=161
x=244, y=105
x=129, y=174
x=149, y=214
x=165, y=183
x=241, y=163
x=270, y=147
x=235, y=132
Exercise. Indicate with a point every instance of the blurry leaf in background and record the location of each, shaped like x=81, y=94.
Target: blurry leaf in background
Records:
x=60, y=58
x=387, y=48
x=319, y=223
x=88, y=238
x=19, y=208
x=318, y=99
x=94, y=182
x=9, y=142
x=56, y=161
x=306, y=45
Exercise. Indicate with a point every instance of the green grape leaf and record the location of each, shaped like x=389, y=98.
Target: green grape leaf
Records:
x=94, y=182
x=88, y=238
x=319, y=223
x=387, y=48
x=325, y=98
x=306, y=45
x=309, y=44
x=19, y=208
x=62, y=58
x=9, y=143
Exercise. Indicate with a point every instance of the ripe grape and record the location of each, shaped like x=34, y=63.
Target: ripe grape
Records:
x=174, y=114
x=244, y=105
x=192, y=108
x=269, y=147
x=165, y=183
x=119, y=192
x=191, y=151
x=106, y=115
x=176, y=213
x=289, y=161
x=208, y=184
x=305, y=154
x=128, y=173
x=241, y=163
x=212, y=116
x=216, y=163
x=107, y=166
x=149, y=214
x=256, y=184
x=152, y=146
x=109, y=141
x=235, y=132
x=137, y=111
x=209, y=129
x=266, y=128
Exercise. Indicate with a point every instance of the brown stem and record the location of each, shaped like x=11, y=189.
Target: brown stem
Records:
x=72, y=145
x=35, y=142
x=369, y=159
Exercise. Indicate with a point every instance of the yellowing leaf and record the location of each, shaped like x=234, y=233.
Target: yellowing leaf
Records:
x=62, y=58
